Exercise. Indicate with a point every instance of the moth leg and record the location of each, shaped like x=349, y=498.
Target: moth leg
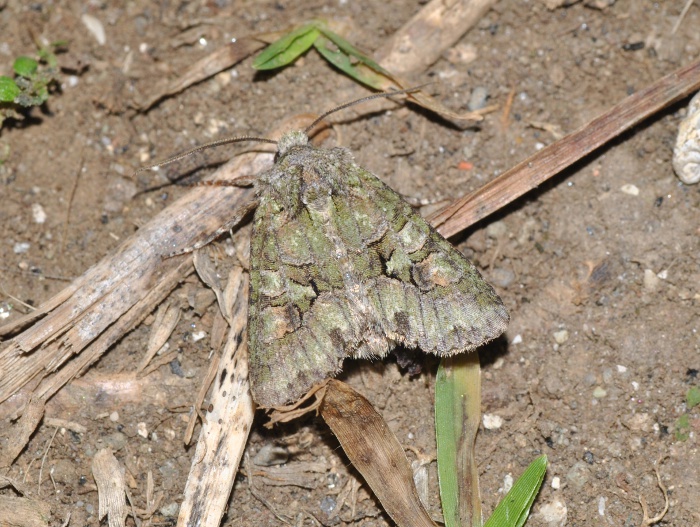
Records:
x=238, y=215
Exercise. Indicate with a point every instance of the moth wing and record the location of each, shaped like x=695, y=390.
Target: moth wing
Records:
x=428, y=295
x=301, y=322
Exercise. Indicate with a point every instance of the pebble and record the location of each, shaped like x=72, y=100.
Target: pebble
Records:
x=116, y=440
x=114, y=417
x=630, y=189
x=507, y=483
x=621, y=368
x=560, y=337
x=492, y=421
x=599, y=392
x=38, y=213
x=552, y=514
x=142, y=430
x=556, y=483
x=651, y=280
x=328, y=504
x=502, y=277
x=497, y=229
x=517, y=339
x=478, y=98
x=170, y=510
x=578, y=475
x=21, y=247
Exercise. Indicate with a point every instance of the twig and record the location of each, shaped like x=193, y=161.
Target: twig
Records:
x=537, y=169
x=646, y=521
x=686, y=7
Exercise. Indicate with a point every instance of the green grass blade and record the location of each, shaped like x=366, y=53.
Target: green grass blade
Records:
x=457, y=416
x=513, y=509
x=344, y=63
x=288, y=48
x=351, y=51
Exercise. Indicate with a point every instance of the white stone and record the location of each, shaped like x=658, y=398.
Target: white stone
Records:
x=630, y=189
x=492, y=421
x=38, y=213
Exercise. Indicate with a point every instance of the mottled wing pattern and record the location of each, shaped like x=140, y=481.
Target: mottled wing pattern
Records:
x=342, y=266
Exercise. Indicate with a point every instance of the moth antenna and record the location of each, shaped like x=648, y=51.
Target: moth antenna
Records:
x=363, y=99
x=205, y=146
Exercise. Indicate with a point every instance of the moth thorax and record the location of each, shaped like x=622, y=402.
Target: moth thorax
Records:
x=291, y=139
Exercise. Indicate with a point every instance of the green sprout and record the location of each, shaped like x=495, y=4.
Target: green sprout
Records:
x=32, y=82
x=457, y=416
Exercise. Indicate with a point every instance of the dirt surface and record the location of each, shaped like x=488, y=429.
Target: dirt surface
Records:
x=600, y=269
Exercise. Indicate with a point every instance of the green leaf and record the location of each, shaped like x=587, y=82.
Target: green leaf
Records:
x=344, y=63
x=692, y=398
x=457, y=417
x=25, y=66
x=513, y=509
x=8, y=89
x=351, y=51
x=288, y=48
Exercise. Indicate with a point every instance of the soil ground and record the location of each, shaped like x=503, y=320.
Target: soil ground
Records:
x=602, y=281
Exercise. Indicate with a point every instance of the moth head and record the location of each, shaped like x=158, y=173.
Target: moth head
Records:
x=291, y=139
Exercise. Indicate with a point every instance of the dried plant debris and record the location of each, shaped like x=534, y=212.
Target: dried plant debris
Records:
x=342, y=266
x=111, y=488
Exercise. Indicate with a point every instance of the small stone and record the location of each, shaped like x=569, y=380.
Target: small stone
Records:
x=328, y=504
x=170, y=510
x=556, y=483
x=114, y=417
x=142, y=430
x=578, y=475
x=599, y=392
x=478, y=98
x=502, y=277
x=621, y=368
x=116, y=441
x=497, y=230
x=651, y=280
x=588, y=457
x=21, y=247
x=552, y=514
x=492, y=421
x=560, y=337
x=517, y=339
x=630, y=189
x=38, y=213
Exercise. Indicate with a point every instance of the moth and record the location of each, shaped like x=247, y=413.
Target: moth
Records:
x=342, y=266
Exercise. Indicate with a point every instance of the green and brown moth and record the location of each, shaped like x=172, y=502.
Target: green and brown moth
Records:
x=342, y=266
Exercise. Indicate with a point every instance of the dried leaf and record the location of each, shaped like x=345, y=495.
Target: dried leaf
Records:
x=375, y=452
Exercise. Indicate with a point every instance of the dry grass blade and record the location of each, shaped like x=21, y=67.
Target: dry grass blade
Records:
x=111, y=487
x=225, y=433
x=221, y=59
x=24, y=512
x=375, y=452
x=551, y=160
